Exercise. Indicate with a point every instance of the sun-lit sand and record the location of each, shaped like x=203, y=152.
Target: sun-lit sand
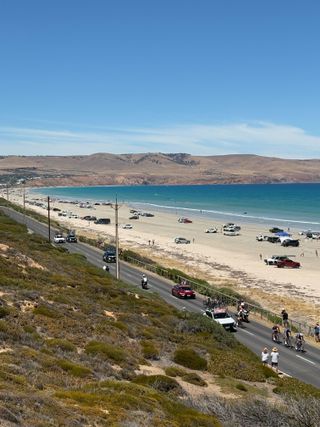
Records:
x=232, y=260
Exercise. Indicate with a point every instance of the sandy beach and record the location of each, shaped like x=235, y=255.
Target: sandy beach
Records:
x=235, y=261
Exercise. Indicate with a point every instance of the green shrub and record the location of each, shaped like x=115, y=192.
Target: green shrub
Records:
x=194, y=378
x=73, y=369
x=149, y=350
x=46, y=311
x=190, y=359
x=241, y=387
x=64, y=345
x=175, y=371
x=295, y=388
x=4, y=311
x=107, y=351
x=158, y=382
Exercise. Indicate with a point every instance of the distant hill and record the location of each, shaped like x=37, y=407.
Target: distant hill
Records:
x=157, y=168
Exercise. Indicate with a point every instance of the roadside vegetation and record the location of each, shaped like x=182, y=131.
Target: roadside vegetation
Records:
x=79, y=348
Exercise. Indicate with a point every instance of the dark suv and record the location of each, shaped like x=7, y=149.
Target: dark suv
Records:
x=292, y=242
x=102, y=221
x=109, y=256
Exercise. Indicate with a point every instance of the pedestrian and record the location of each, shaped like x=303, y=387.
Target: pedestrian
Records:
x=317, y=332
x=193, y=240
x=260, y=256
x=317, y=252
x=302, y=254
x=274, y=358
x=265, y=356
x=152, y=242
x=149, y=242
x=285, y=318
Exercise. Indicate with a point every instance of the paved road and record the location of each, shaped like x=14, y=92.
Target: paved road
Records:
x=304, y=366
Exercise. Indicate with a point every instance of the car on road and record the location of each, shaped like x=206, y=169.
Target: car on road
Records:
x=290, y=242
x=288, y=263
x=181, y=240
x=211, y=230
x=71, y=238
x=221, y=316
x=109, y=255
x=127, y=226
x=183, y=291
x=58, y=238
x=276, y=230
x=274, y=259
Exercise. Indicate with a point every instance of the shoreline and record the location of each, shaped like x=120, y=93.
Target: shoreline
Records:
x=232, y=261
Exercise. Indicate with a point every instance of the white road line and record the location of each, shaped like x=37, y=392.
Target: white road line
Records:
x=307, y=360
x=247, y=332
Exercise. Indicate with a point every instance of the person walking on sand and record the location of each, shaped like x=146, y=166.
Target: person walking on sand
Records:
x=317, y=253
x=274, y=358
x=260, y=256
x=265, y=356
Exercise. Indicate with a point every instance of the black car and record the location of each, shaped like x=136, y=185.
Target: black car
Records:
x=71, y=238
x=273, y=239
x=294, y=243
x=89, y=218
x=134, y=217
x=276, y=230
x=103, y=221
x=109, y=256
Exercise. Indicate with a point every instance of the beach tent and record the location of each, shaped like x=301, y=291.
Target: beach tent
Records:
x=282, y=234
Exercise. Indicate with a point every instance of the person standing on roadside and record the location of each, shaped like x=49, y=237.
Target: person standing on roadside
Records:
x=317, y=332
x=285, y=318
x=265, y=356
x=274, y=358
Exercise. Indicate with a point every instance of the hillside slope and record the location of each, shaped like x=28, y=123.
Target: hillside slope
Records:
x=80, y=349
x=157, y=168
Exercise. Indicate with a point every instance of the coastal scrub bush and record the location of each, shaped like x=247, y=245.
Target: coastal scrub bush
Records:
x=295, y=388
x=4, y=311
x=150, y=350
x=174, y=371
x=62, y=344
x=159, y=382
x=195, y=379
x=104, y=350
x=189, y=358
x=46, y=311
x=74, y=369
x=241, y=387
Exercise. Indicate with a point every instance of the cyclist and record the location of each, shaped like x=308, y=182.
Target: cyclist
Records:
x=276, y=333
x=287, y=338
x=299, y=342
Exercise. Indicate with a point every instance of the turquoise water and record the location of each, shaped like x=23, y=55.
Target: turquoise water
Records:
x=295, y=205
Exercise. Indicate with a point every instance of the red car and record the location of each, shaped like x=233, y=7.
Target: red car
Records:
x=287, y=263
x=183, y=291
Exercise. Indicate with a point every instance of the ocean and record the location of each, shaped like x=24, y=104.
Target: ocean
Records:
x=286, y=205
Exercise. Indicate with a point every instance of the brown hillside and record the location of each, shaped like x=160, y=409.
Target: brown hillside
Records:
x=157, y=168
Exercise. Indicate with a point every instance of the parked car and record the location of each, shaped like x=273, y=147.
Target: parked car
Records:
x=181, y=240
x=56, y=210
x=71, y=238
x=231, y=233
x=273, y=239
x=148, y=214
x=134, y=217
x=230, y=226
x=89, y=218
x=109, y=255
x=288, y=263
x=211, y=230
x=58, y=238
x=261, y=238
x=290, y=242
x=185, y=220
x=102, y=221
x=276, y=230
x=221, y=316
x=127, y=226
x=183, y=291
x=274, y=259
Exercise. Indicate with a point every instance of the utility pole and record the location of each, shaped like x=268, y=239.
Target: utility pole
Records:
x=49, y=231
x=7, y=186
x=117, y=239
x=24, y=201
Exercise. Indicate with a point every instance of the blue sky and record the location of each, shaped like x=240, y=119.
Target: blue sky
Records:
x=199, y=76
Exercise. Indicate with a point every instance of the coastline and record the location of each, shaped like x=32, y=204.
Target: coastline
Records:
x=222, y=260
